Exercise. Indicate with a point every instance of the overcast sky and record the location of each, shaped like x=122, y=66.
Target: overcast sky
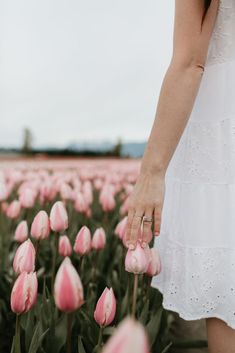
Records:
x=74, y=70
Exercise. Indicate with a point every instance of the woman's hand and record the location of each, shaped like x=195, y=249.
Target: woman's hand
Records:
x=147, y=200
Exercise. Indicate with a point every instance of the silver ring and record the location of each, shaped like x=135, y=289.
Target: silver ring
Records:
x=146, y=219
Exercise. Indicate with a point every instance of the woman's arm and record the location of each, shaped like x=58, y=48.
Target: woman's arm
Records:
x=192, y=32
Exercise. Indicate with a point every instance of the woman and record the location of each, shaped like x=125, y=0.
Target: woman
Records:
x=186, y=184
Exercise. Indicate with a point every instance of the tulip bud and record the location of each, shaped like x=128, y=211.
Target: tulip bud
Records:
x=58, y=217
x=40, y=228
x=65, y=247
x=13, y=210
x=129, y=336
x=105, y=308
x=83, y=241
x=154, y=267
x=68, y=289
x=3, y=191
x=98, y=239
x=24, y=292
x=121, y=227
x=136, y=260
x=27, y=197
x=21, y=232
x=24, y=259
x=107, y=200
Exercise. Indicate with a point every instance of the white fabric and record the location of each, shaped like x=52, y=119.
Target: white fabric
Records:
x=197, y=236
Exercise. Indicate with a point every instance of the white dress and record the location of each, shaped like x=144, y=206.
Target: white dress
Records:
x=197, y=236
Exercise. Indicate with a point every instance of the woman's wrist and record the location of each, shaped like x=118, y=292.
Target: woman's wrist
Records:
x=153, y=168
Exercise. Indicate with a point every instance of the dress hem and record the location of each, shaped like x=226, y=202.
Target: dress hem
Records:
x=189, y=317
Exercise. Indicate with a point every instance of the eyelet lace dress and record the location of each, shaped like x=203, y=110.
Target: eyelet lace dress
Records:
x=197, y=236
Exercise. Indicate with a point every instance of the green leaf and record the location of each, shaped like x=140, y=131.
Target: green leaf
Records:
x=37, y=339
x=154, y=325
x=29, y=328
x=124, y=303
x=190, y=344
x=13, y=345
x=165, y=350
x=81, y=348
x=144, y=313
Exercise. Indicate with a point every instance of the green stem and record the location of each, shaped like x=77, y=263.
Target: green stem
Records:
x=37, y=247
x=100, y=339
x=82, y=265
x=17, y=335
x=55, y=254
x=136, y=277
x=69, y=333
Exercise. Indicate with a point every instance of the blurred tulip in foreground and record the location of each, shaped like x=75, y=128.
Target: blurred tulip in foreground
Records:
x=65, y=247
x=40, y=228
x=129, y=336
x=24, y=292
x=99, y=239
x=105, y=308
x=83, y=241
x=154, y=267
x=58, y=217
x=24, y=259
x=21, y=232
x=68, y=288
x=136, y=260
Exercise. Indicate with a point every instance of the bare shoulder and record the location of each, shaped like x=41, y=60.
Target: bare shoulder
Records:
x=193, y=27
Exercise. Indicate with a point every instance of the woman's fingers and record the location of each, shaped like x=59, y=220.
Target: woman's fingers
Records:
x=133, y=227
x=157, y=220
x=147, y=228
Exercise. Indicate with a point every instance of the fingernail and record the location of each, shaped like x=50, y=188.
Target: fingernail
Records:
x=144, y=244
x=156, y=233
x=131, y=246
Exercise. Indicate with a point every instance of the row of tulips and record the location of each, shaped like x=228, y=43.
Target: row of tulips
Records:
x=72, y=282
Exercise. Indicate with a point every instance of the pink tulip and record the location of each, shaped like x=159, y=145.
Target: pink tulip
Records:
x=21, y=232
x=40, y=228
x=24, y=292
x=4, y=207
x=3, y=191
x=27, y=197
x=154, y=267
x=87, y=191
x=13, y=210
x=24, y=259
x=68, y=289
x=65, y=247
x=121, y=227
x=129, y=336
x=107, y=200
x=58, y=217
x=66, y=191
x=136, y=260
x=105, y=308
x=125, y=206
x=80, y=203
x=98, y=239
x=83, y=241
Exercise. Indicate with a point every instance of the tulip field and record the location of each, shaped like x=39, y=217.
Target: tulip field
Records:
x=68, y=282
